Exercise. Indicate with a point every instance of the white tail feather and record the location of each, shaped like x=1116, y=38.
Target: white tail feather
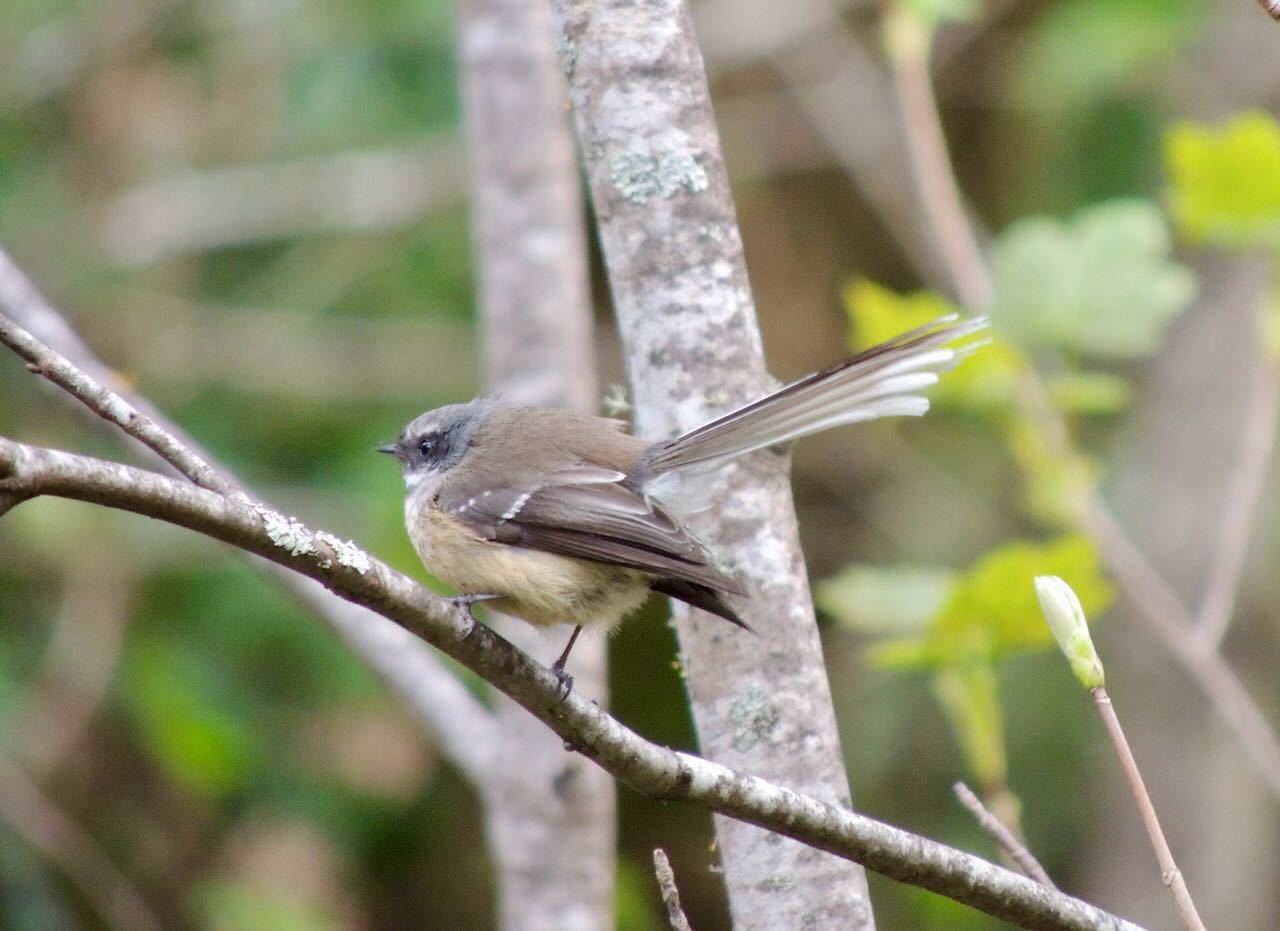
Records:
x=882, y=382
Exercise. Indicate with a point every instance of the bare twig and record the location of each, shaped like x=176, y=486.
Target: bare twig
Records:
x=670, y=894
x=65, y=844
x=1169, y=872
x=845, y=105
x=650, y=769
x=1257, y=438
x=1159, y=609
x=104, y=402
x=908, y=43
x=1004, y=838
x=463, y=726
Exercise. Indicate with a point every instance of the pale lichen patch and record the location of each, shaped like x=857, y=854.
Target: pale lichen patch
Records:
x=640, y=175
x=285, y=532
x=753, y=717
x=346, y=552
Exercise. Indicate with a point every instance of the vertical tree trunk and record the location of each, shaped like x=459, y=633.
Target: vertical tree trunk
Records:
x=550, y=814
x=679, y=281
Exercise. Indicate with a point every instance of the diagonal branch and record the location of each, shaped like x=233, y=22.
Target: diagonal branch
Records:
x=1257, y=438
x=650, y=769
x=32, y=327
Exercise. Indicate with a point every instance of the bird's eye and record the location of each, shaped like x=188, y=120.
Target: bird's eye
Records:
x=428, y=443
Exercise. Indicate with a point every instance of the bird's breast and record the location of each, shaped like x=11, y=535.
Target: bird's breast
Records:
x=541, y=588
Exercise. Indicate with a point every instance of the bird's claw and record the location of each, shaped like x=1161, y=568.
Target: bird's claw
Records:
x=565, y=680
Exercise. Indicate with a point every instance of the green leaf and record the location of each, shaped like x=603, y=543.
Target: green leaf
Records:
x=1101, y=282
x=1089, y=392
x=246, y=906
x=1054, y=482
x=885, y=599
x=970, y=699
x=992, y=608
x=1225, y=182
x=985, y=380
x=1082, y=49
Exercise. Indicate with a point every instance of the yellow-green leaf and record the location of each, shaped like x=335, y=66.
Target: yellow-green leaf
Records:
x=992, y=609
x=969, y=696
x=1224, y=182
x=996, y=596
x=1077, y=392
x=983, y=381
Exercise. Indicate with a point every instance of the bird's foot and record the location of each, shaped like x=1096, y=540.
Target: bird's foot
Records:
x=566, y=680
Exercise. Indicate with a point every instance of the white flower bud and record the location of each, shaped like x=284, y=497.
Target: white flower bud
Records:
x=1066, y=619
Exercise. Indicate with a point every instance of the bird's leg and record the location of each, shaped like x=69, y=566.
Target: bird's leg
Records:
x=557, y=668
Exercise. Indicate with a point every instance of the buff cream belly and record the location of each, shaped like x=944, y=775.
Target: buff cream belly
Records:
x=553, y=589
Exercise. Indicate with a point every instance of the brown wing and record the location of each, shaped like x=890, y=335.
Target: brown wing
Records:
x=591, y=513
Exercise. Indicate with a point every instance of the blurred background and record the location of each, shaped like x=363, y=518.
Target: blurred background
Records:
x=256, y=213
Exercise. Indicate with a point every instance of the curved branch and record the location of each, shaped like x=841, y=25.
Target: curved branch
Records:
x=463, y=726
x=652, y=770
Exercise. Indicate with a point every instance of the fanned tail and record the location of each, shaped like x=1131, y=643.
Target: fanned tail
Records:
x=883, y=381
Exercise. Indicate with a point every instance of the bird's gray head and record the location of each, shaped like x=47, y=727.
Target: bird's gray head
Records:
x=434, y=442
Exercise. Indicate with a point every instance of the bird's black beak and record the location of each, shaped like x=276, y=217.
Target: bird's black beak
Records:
x=391, y=449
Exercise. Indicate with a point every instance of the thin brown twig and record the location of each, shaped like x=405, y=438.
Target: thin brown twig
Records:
x=909, y=41
x=1169, y=872
x=66, y=845
x=1257, y=438
x=1003, y=837
x=43, y=360
x=1155, y=605
x=655, y=771
x=670, y=894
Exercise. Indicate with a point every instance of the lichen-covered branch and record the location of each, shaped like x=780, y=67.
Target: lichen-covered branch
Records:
x=652, y=770
x=33, y=328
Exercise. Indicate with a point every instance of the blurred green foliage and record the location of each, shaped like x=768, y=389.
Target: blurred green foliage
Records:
x=990, y=610
x=1101, y=283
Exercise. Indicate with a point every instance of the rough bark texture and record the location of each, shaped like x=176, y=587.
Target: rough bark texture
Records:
x=550, y=814
x=679, y=281
x=28, y=472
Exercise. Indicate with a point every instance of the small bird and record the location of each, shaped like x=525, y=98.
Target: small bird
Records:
x=562, y=518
